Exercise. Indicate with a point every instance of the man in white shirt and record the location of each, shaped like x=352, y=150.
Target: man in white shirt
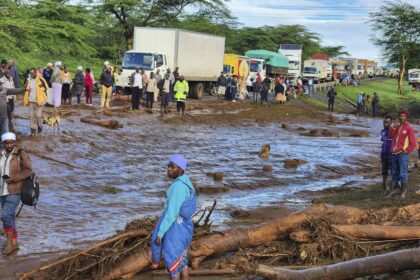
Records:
x=136, y=84
x=8, y=83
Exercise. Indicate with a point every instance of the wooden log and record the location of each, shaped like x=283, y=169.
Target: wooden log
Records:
x=112, y=124
x=398, y=261
x=303, y=236
x=220, y=243
x=380, y=232
x=350, y=102
x=200, y=272
x=122, y=98
x=233, y=240
x=131, y=265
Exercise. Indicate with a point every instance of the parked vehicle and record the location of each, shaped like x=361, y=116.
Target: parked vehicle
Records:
x=275, y=63
x=199, y=56
x=238, y=65
x=294, y=53
x=316, y=69
x=256, y=65
x=414, y=77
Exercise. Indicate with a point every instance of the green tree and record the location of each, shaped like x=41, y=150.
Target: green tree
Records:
x=398, y=25
x=130, y=13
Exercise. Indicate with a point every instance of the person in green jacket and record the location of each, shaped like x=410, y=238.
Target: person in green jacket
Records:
x=181, y=91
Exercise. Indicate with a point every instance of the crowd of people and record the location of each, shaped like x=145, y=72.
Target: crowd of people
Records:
x=231, y=88
x=364, y=103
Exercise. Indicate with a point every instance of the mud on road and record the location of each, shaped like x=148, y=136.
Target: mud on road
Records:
x=94, y=180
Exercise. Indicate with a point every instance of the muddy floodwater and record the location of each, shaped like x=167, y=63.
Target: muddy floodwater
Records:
x=104, y=178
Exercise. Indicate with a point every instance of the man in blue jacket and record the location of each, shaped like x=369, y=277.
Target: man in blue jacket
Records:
x=174, y=230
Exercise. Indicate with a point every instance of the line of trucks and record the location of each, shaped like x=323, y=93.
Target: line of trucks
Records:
x=201, y=57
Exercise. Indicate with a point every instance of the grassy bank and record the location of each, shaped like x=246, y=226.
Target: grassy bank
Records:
x=389, y=100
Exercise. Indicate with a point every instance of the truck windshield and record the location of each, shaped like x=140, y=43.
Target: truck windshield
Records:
x=255, y=66
x=293, y=65
x=310, y=70
x=414, y=75
x=134, y=60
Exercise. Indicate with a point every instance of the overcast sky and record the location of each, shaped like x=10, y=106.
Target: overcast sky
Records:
x=338, y=22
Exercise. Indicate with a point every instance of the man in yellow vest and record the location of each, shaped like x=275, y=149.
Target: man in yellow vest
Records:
x=181, y=91
x=35, y=97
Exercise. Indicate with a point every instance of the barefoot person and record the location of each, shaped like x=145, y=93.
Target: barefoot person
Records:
x=15, y=166
x=403, y=143
x=174, y=230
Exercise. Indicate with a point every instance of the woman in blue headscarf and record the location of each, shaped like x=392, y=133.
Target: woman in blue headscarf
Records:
x=174, y=230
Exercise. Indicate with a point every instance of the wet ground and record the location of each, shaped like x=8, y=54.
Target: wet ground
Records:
x=103, y=178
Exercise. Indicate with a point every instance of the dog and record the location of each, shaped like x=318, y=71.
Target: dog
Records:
x=52, y=119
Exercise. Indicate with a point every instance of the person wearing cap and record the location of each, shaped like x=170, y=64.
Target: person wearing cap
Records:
x=47, y=73
x=181, y=89
x=57, y=83
x=35, y=97
x=15, y=167
x=78, y=83
x=8, y=83
x=174, y=230
x=403, y=143
x=106, y=80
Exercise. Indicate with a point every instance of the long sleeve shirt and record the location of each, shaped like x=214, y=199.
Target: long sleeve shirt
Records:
x=403, y=138
x=177, y=193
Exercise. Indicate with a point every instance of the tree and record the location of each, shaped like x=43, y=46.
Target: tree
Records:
x=130, y=13
x=398, y=24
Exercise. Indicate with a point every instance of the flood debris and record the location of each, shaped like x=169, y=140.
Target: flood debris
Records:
x=293, y=163
x=318, y=235
x=265, y=151
x=112, y=124
x=267, y=168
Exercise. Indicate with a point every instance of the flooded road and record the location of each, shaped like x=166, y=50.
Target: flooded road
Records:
x=114, y=176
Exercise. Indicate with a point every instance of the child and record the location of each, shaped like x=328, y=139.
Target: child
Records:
x=174, y=230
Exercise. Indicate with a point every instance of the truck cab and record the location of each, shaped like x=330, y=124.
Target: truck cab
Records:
x=149, y=61
x=256, y=65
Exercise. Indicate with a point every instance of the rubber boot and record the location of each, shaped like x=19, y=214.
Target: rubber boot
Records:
x=394, y=190
x=32, y=132
x=403, y=190
x=12, y=244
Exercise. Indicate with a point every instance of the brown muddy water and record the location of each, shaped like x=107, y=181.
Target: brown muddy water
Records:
x=119, y=175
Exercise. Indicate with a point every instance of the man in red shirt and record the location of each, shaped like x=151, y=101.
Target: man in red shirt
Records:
x=403, y=143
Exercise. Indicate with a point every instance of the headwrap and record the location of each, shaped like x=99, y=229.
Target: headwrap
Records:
x=58, y=63
x=8, y=136
x=180, y=161
x=80, y=68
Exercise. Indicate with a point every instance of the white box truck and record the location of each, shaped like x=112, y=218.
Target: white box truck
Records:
x=199, y=56
x=294, y=54
x=315, y=69
x=414, y=77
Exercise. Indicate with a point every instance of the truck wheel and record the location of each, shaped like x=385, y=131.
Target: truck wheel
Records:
x=198, y=91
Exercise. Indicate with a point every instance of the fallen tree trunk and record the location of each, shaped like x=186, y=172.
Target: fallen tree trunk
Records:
x=380, y=232
x=275, y=230
x=402, y=260
x=231, y=241
x=112, y=124
x=123, y=98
